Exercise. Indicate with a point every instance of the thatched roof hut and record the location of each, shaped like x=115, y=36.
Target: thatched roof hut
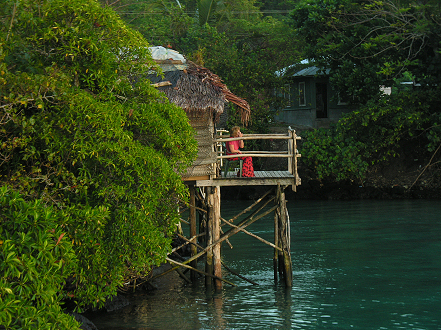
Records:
x=203, y=96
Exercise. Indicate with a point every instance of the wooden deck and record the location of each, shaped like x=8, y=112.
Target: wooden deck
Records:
x=262, y=178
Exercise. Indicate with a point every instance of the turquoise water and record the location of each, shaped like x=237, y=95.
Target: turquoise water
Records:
x=356, y=265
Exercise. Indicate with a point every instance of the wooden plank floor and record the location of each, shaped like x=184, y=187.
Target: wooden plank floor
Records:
x=264, y=178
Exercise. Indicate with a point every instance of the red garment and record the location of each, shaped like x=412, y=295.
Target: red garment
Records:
x=247, y=168
x=235, y=144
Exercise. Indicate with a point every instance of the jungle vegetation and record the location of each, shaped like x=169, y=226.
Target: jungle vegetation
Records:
x=365, y=44
x=90, y=162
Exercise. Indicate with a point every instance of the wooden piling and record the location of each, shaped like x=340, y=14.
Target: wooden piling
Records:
x=284, y=257
x=209, y=268
x=213, y=258
x=208, y=202
x=286, y=244
x=217, y=271
x=192, y=215
x=276, y=243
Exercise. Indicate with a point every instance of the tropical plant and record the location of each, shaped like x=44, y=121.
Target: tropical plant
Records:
x=374, y=134
x=35, y=260
x=371, y=43
x=84, y=132
x=366, y=45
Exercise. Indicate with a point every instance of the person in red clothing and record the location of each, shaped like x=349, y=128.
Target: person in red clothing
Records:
x=233, y=147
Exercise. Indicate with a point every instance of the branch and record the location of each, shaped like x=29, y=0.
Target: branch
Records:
x=12, y=20
x=425, y=167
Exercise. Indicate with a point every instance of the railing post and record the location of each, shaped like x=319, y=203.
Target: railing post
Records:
x=296, y=174
x=290, y=151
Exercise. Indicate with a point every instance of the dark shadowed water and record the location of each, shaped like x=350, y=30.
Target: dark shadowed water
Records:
x=357, y=265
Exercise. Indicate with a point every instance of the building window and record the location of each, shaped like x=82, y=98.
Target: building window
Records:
x=302, y=98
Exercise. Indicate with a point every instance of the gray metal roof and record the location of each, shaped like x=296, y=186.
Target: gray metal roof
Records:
x=310, y=72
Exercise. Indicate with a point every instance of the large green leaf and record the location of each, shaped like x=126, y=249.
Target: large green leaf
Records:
x=205, y=9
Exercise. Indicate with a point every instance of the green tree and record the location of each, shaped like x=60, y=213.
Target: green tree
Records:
x=36, y=259
x=239, y=43
x=82, y=131
x=368, y=44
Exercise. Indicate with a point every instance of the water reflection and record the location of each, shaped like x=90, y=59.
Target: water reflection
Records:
x=357, y=265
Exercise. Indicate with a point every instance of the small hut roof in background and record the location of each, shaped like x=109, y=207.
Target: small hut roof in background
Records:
x=192, y=87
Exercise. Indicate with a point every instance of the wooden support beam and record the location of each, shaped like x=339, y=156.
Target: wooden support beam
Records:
x=180, y=264
x=224, y=237
x=181, y=274
x=249, y=208
x=226, y=267
x=252, y=235
x=238, y=275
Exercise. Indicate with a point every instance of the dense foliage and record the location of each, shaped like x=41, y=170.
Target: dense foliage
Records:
x=36, y=261
x=94, y=156
x=405, y=123
x=234, y=39
x=366, y=45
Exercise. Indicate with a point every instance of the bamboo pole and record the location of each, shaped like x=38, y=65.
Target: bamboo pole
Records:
x=223, y=238
x=181, y=274
x=280, y=236
x=276, y=243
x=280, y=136
x=209, y=268
x=257, y=154
x=252, y=235
x=233, y=231
x=249, y=219
x=238, y=275
x=295, y=173
x=291, y=152
x=193, y=233
x=180, y=264
x=226, y=267
x=287, y=264
x=249, y=208
x=217, y=266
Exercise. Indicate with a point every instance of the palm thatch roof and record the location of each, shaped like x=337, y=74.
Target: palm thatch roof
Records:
x=196, y=89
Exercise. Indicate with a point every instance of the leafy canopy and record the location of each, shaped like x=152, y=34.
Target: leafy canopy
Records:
x=234, y=39
x=82, y=131
x=368, y=44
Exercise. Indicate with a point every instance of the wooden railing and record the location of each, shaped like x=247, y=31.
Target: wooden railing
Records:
x=291, y=153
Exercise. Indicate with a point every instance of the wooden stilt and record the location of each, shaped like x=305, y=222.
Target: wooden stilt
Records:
x=284, y=234
x=243, y=224
x=202, y=214
x=217, y=271
x=276, y=243
x=192, y=215
x=213, y=238
x=209, y=268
